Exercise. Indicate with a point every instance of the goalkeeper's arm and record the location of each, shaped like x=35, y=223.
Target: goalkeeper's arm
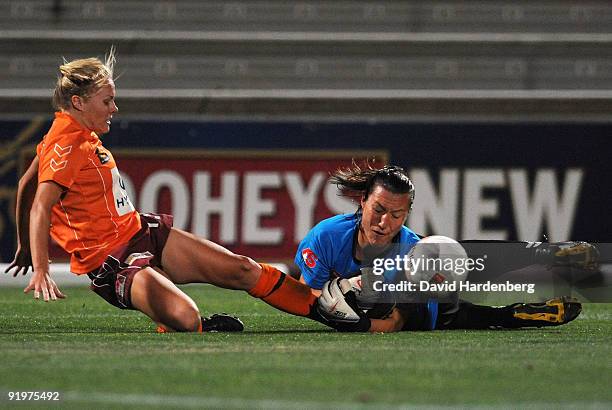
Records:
x=338, y=308
x=392, y=323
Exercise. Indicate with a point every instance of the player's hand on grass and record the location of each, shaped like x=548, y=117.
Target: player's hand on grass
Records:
x=21, y=263
x=41, y=282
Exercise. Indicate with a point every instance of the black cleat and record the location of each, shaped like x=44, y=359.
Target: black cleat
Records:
x=553, y=312
x=222, y=322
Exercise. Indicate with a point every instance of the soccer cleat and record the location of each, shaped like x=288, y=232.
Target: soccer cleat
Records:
x=572, y=254
x=222, y=322
x=219, y=322
x=553, y=312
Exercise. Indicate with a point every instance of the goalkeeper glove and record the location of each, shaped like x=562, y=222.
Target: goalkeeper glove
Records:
x=338, y=308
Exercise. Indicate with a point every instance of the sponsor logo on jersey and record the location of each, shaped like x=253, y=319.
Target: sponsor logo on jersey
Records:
x=102, y=156
x=123, y=205
x=56, y=166
x=310, y=259
x=120, y=289
x=61, y=152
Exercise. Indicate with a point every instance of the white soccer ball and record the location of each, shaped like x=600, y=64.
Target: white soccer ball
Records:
x=437, y=266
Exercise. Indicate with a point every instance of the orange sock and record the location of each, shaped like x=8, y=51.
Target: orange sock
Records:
x=283, y=292
x=163, y=329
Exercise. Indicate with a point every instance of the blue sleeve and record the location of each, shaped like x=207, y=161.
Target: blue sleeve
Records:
x=409, y=236
x=312, y=259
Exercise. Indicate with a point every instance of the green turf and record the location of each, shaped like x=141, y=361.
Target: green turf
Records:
x=97, y=356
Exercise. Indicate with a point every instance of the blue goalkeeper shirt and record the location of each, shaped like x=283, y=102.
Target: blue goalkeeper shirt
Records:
x=327, y=250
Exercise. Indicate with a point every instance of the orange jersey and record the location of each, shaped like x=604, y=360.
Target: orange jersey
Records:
x=94, y=214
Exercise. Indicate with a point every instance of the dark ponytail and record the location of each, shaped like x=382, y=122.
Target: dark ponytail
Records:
x=356, y=180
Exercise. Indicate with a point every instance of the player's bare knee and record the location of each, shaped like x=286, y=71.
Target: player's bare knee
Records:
x=185, y=318
x=250, y=272
x=244, y=274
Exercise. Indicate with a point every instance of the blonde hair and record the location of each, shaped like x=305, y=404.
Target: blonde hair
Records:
x=83, y=78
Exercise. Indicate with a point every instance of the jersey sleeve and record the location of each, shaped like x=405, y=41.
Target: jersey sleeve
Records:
x=312, y=259
x=61, y=160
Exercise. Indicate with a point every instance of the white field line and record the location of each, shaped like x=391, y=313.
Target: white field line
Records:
x=168, y=401
x=60, y=272
x=158, y=400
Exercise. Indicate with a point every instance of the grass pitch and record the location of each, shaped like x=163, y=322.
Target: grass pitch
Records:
x=97, y=356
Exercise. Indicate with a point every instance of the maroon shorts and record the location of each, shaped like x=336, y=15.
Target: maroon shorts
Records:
x=113, y=280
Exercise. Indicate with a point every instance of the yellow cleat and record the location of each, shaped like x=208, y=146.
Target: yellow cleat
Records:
x=553, y=312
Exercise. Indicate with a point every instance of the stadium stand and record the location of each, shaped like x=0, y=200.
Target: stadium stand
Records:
x=477, y=59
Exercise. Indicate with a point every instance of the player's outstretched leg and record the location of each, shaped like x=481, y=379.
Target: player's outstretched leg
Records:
x=189, y=259
x=283, y=292
x=466, y=315
x=553, y=312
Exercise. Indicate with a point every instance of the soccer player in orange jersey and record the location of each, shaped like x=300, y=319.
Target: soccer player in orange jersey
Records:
x=73, y=191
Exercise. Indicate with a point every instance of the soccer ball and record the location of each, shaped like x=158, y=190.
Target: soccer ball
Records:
x=437, y=266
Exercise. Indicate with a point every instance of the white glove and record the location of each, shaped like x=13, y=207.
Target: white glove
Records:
x=355, y=283
x=337, y=301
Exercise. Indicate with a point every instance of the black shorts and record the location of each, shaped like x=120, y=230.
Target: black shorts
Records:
x=113, y=280
x=418, y=316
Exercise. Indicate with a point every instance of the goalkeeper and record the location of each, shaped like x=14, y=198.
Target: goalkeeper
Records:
x=338, y=247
